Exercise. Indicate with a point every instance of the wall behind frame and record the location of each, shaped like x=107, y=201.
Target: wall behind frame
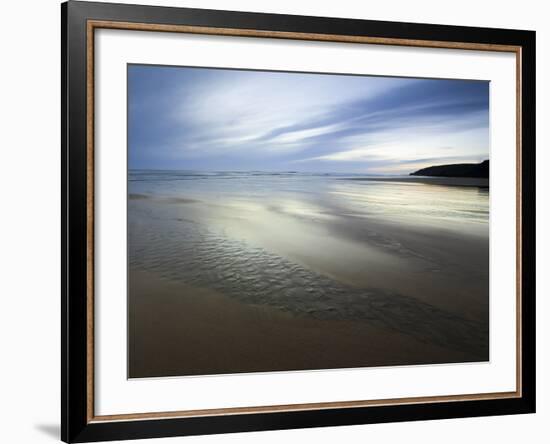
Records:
x=30, y=219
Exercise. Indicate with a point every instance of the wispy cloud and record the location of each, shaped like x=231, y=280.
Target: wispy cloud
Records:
x=229, y=119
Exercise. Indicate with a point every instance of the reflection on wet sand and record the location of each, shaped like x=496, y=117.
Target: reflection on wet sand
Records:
x=406, y=261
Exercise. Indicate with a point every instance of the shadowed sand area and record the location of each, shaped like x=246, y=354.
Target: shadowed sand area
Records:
x=244, y=272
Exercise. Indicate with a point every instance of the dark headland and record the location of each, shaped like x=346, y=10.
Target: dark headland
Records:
x=477, y=170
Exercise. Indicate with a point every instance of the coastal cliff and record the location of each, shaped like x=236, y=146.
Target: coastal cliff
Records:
x=478, y=170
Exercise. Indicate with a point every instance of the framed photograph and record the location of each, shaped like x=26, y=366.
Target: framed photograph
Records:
x=275, y=221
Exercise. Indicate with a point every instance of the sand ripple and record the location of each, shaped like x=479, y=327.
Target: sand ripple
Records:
x=181, y=250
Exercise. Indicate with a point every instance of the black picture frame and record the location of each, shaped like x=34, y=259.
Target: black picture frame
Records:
x=76, y=423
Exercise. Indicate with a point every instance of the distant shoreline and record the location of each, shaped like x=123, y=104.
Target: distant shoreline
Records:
x=156, y=175
x=473, y=170
x=431, y=180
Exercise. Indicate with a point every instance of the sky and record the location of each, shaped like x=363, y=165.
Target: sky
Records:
x=185, y=118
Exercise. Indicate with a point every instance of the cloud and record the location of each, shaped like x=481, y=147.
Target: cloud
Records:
x=231, y=119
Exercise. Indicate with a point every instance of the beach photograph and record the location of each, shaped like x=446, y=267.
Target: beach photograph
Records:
x=290, y=221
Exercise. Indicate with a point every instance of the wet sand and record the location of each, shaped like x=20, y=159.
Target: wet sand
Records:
x=176, y=329
x=236, y=275
x=439, y=267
